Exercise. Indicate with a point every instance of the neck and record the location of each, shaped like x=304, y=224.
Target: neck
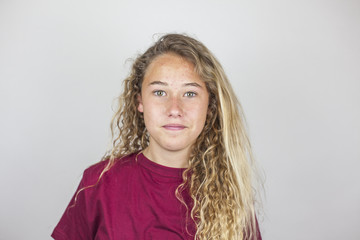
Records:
x=174, y=159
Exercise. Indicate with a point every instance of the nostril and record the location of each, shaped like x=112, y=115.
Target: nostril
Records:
x=175, y=112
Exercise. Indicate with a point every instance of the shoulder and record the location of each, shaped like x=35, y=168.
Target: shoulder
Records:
x=119, y=166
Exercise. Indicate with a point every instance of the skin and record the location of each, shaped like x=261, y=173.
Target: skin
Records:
x=174, y=101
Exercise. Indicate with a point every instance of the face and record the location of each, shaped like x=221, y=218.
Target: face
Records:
x=174, y=101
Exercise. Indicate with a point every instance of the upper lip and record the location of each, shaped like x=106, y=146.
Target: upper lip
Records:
x=174, y=125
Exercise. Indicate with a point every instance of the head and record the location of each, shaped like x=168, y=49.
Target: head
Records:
x=205, y=66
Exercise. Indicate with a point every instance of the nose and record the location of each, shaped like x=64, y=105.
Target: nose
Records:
x=175, y=108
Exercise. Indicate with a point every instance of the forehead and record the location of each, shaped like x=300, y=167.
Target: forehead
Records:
x=172, y=68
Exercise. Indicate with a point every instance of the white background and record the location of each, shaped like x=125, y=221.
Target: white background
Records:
x=295, y=66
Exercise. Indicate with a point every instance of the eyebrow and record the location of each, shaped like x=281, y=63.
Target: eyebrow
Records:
x=193, y=84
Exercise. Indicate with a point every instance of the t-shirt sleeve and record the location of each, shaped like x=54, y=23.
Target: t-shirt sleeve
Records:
x=257, y=234
x=79, y=219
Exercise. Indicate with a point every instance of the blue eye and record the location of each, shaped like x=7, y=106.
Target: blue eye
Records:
x=159, y=93
x=190, y=94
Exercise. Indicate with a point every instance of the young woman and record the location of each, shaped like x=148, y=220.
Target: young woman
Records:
x=181, y=164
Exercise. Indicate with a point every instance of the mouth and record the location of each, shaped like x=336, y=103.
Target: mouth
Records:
x=174, y=127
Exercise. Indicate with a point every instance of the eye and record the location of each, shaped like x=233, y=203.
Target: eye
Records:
x=159, y=93
x=190, y=94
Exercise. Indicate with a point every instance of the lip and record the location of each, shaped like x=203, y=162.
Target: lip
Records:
x=174, y=127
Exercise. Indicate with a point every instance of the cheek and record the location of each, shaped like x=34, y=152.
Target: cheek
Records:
x=200, y=115
x=150, y=116
x=205, y=109
x=204, y=117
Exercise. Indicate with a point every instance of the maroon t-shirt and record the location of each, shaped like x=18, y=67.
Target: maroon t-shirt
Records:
x=135, y=199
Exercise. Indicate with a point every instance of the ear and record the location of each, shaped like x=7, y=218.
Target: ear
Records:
x=140, y=106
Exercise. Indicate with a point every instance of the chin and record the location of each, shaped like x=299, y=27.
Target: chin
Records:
x=175, y=147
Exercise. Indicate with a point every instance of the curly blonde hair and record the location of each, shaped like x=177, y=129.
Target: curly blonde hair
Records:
x=220, y=172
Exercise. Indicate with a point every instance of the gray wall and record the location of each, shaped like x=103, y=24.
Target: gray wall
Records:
x=294, y=65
